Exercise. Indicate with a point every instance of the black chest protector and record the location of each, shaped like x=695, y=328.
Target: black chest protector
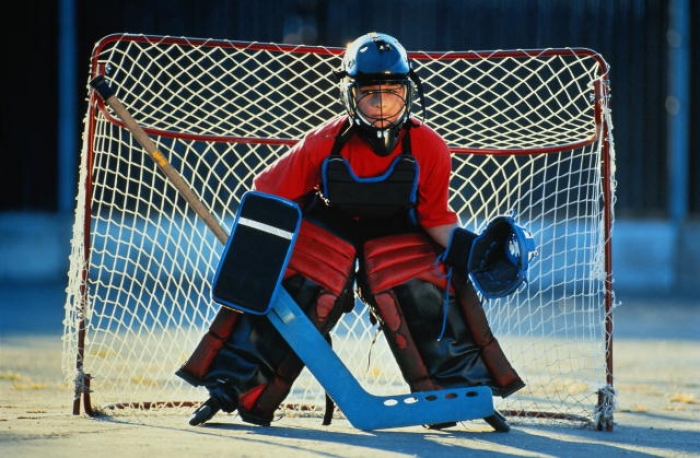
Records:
x=391, y=194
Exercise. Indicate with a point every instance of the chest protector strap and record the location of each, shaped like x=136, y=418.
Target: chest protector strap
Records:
x=382, y=196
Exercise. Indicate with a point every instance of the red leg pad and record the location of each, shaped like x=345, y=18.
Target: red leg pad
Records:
x=199, y=362
x=396, y=260
x=500, y=368
x=392, y=261
x=318, y=255
x=403, y=346
x=258, y=404
x=322, y=257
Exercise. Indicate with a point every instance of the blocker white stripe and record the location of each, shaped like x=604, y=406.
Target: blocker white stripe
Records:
x=266, y=228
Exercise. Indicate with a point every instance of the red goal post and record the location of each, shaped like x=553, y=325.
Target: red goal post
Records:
x=530, y=130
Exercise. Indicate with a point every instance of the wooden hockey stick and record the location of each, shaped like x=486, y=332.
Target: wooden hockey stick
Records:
x=99, y=84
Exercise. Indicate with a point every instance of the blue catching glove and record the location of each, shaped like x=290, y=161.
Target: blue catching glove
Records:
x=500, y=257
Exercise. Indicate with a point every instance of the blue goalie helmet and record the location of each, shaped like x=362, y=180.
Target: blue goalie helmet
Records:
x=376, y=71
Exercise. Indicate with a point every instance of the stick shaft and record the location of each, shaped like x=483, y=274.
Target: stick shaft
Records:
x=110, y=98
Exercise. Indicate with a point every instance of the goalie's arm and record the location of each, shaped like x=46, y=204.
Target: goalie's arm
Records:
x=441, y=234
x=99, y=84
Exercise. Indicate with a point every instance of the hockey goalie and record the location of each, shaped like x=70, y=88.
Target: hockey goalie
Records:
x=376, y=229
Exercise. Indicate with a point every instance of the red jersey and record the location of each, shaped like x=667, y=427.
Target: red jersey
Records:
x=298, y=172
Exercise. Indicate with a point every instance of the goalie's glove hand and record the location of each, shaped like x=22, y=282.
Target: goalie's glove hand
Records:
x=457, y=252
x=500, y=256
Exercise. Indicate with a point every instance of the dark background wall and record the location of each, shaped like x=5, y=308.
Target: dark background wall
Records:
x=631, y=34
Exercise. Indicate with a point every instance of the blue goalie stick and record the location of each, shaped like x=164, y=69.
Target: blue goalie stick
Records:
x=267, y=225
x=362, y=409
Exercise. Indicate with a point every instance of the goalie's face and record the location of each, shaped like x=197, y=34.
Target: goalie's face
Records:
x=381, y=106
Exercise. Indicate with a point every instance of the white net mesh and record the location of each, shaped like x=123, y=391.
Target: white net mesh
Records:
x=530, y=131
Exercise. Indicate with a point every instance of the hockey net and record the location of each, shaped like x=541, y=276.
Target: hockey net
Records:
x=530, y=131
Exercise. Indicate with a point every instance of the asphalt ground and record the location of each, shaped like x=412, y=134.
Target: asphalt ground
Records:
x=656, y=348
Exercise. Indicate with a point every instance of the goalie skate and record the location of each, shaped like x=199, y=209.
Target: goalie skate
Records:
x=205, y=412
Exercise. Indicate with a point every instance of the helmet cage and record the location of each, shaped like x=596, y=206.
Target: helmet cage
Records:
x=377, y=59
x=354, y=94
